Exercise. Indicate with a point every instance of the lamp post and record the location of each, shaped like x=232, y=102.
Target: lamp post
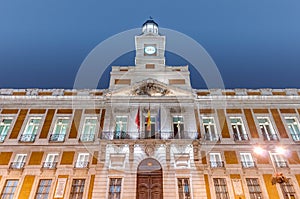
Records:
x=278, y=177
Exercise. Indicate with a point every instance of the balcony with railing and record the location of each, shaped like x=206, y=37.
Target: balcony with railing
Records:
x=81, y=164
x=87, y=137
x=17, y=165
x=281, y=164
x=216, y=164
x=248, y=164
x=27, y=138
x=2, y=138
x=57, y=138
x=149, y=135
x=240, y=137
x=270, y=137
x=49, y=165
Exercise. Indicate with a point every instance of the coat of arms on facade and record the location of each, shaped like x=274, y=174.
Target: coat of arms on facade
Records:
x=151, y=89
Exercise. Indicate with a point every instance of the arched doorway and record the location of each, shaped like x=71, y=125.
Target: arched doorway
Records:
x=149, y=180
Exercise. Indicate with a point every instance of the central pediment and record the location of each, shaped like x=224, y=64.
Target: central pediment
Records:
x=150, y=87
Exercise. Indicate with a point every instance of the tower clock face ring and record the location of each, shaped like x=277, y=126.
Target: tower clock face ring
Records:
x=150, y=50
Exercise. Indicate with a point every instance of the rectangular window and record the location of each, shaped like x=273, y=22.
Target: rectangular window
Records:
x=279, y=160
x=77, y=189
x=89, y=129
x=60, y=129
x=82, y=160
x=121, y=127
x=288, y=190
x=184, y=188
x=150, y=132
x=9, y=189
x=51, y=161
x=266, y=129
x=114, y=188
x=254, y=188
x=293, y=127
x=215, y=160
x=221, y=188
x=238, y=129
x=31, y=129
x=178, y=126
x=43, y=189
x=5, y=125
x=210, y=129
x=19, y=161
x=247, y=160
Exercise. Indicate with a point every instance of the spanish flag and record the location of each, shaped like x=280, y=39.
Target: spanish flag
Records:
x=148, y=120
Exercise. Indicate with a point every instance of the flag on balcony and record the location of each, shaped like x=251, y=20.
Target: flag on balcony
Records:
x=137, y=119
x=158, y=121
x=148, y=120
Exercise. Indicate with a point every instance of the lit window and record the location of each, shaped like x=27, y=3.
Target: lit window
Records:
x=254, y=188
x=31, y=129
x=5, y=125
x=267, y=129
x=9, y=189
x=178, y=126
x=19, y=161
x=221, y=188
x=210, y=129
x=215, y=160
x=293, y=126
x=43, y=189
x=114, y=188
x=238, y=129
x=89, y=129
x=51, y=161
x=60, y=129
x=184, y=188
x=82, y=160
x=77, y=189
x=121, y=127
x=247, y=160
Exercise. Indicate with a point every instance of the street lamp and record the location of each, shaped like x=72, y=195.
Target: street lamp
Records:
x=278, y=177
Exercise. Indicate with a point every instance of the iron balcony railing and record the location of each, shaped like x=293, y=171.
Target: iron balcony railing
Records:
x=81, y=164
x=2, y=138
x=281, y=164
x=27, y=138
x=57, y=138
x=240, y=137
x=17, y=165
x=216, y=164
x=49, y=165
x=270, y=137
x=296, y=137
x=211, y=137
x=87, y=137
x=248, y=164
x=148, y=135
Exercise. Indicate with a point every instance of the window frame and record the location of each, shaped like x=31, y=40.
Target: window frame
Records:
x=51, y=164
x=60, y=137
x=12, y=190
x=119, y=187
x=220, y=186
x=119, y=131
x=45, y=189
x=216, y=162
x=208, y=135
x=89, y=137
x=249, y=163
x=289, y=186
x=296, y=120
x=269, y=136
x=238, y=136
x=30, y=137
x=254, y=187
x=182, y=193
x=78, y=194
x=179, y=123
x=19, y=164
x=8, y=129
x=82, y=160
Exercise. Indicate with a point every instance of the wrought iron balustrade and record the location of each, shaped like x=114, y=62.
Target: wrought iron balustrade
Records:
x=57, y=137
x=81, y=164
x=17, y=165
x=87, y=137
x=281, y=164
x=50, y=165
x=248, y=164
x=240, y=137
x=216, y=164
x=27, y=138
x=270, y=137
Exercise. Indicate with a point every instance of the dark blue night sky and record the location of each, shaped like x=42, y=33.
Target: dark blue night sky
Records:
x=255, y=44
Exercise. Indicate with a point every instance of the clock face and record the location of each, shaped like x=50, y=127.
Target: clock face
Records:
x=150, y=50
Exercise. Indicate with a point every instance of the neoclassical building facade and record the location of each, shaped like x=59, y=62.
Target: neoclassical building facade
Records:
x=150, y=135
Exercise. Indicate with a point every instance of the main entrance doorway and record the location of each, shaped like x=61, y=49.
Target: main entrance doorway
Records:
x=149, y=180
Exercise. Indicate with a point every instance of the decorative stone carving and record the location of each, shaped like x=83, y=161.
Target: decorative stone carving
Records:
x=149, y=150
x=151, y=89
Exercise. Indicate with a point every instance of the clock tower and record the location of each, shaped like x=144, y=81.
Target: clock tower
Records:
x=150, y=47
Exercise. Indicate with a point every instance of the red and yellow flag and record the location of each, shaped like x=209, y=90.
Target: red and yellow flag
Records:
x=149, y=120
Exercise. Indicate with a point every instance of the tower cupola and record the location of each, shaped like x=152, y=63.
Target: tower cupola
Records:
x=150, y=27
